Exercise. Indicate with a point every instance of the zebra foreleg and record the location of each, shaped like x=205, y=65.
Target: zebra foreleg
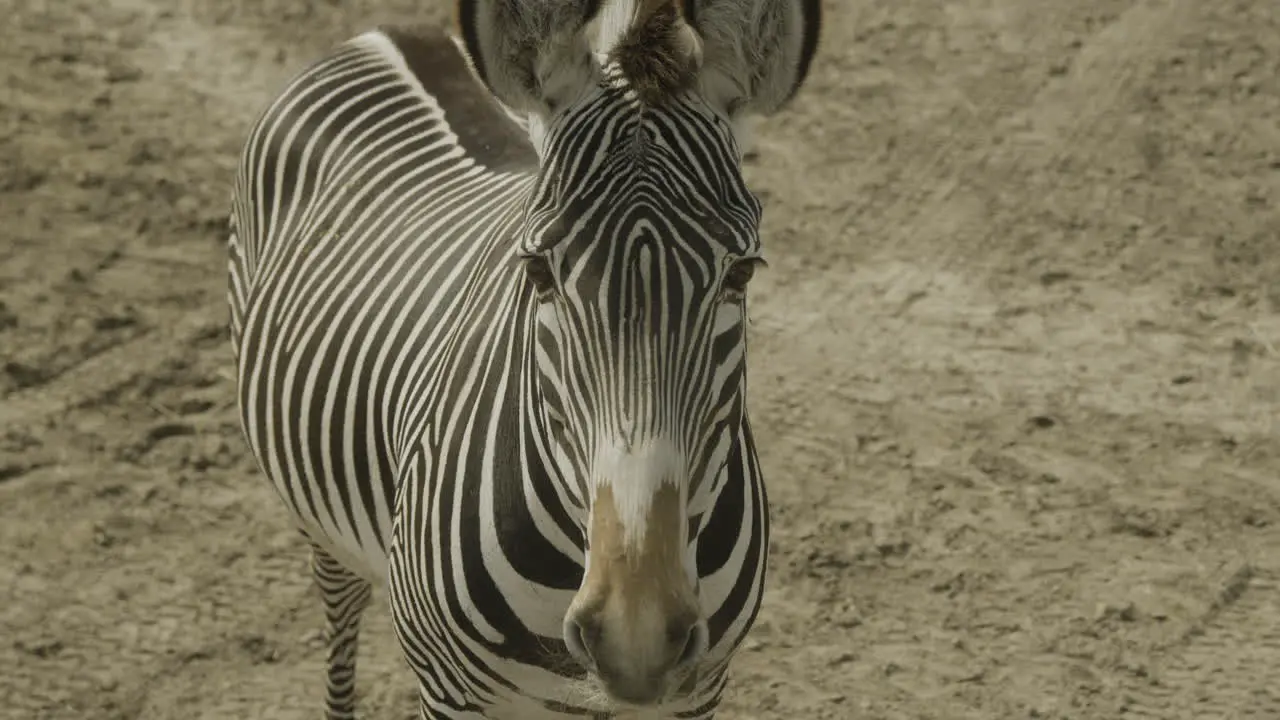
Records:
x=345, y=597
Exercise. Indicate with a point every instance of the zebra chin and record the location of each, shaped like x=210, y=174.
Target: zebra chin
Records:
x=636, y=624
x=600, y=694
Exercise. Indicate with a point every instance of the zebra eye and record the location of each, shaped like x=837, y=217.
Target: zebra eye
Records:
x=735, y=281
x=539, y=272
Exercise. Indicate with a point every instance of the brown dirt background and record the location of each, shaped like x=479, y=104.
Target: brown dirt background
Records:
x=1015, y=367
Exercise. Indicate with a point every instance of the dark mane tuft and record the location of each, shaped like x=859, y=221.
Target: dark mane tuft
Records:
x=652, y=60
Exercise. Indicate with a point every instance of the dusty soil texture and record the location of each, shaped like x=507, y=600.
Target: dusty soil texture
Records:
x=1015, y=367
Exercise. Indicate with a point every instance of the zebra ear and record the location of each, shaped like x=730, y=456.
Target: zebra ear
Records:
x=533, y=55
x=756, y=53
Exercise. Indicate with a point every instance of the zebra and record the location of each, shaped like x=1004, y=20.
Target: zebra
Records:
x=487, y=306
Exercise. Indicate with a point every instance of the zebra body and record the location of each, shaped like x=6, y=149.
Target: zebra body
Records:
x=386, y=330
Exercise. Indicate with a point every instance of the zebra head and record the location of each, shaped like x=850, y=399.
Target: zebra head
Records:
x=638, y=241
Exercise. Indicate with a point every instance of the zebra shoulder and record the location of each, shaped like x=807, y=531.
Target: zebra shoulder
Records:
x=484, y=129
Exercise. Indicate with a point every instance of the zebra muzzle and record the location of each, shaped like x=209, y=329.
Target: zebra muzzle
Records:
x=636, y=622
x=650, y=673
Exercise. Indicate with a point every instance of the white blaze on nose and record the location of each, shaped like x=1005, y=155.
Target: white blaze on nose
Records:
x=635, y=474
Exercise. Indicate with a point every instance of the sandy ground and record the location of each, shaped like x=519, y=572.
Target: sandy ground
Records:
x=1015, y=367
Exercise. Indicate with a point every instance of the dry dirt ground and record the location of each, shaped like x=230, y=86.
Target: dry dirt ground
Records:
x=1015, y=367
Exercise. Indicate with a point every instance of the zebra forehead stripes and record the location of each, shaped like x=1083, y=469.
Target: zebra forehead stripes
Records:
x=614, y=163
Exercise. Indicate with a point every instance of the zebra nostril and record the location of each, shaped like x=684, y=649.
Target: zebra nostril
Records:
x=694, y=645
x=580, y=637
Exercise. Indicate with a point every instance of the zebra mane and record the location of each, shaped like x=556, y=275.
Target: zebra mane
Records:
x=649, y=45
